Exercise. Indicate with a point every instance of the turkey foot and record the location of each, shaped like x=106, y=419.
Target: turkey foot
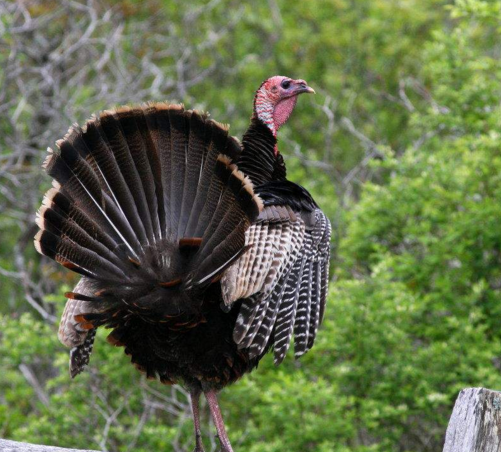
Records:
x=199, y=446
x=223, y=448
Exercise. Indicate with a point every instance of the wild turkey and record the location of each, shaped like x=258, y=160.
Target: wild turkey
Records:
x=193, y=248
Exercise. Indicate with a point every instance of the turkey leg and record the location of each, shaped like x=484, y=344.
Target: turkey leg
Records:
x=195, y=398
x=211, y=397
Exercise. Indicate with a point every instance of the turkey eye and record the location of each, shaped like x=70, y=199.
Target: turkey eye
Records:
x=285, y=84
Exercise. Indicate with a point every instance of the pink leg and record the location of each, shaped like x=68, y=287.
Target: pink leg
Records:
x=195, y=398
x=211, y=397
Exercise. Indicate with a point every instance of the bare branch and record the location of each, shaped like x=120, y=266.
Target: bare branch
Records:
x=34, y=383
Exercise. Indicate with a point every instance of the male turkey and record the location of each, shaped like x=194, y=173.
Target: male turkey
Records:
x=193, y=248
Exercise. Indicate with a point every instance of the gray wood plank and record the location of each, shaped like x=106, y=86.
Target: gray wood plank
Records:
x=14, y=446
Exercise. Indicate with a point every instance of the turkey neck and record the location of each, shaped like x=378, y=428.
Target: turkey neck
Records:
x=260, y=159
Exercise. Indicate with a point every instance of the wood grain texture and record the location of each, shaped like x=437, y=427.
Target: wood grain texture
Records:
x=475, y=424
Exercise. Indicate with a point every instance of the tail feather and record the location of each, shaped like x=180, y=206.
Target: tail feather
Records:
x=115, y=137
x=75, y=257
x=82, y=185
x=147, y=205
x=237, y=206
x=129, y=122
x=74, y=138
x=51, y=220
x=70, y=170
x=56, y=200
x=233, y=148
x=179, y=122
x=199, y=139
x=99, y=151
x=209, y=186
x=160, y=129
x=144, y=121
x=222, y=255
x=221, y=201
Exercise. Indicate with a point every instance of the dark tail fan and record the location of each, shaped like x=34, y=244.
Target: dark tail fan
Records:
x=146, y=204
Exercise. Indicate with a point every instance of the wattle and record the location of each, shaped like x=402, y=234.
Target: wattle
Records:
x=283, y=110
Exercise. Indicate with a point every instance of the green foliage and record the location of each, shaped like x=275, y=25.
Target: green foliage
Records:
x=414, y=313
x=431, y=230
x=103, y=406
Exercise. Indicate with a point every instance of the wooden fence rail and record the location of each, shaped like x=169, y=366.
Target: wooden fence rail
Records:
x=14, y=446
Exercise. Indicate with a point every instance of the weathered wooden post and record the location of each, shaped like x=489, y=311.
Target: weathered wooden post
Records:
x=475, y=424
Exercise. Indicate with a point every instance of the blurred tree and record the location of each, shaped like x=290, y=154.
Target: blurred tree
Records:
x=63, y=60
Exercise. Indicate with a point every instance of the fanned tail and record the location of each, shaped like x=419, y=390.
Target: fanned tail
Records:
x=147, y=206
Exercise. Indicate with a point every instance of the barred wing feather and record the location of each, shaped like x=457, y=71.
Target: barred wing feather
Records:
x=282, y=281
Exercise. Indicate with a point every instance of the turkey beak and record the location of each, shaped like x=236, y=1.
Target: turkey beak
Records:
x=302, y=87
